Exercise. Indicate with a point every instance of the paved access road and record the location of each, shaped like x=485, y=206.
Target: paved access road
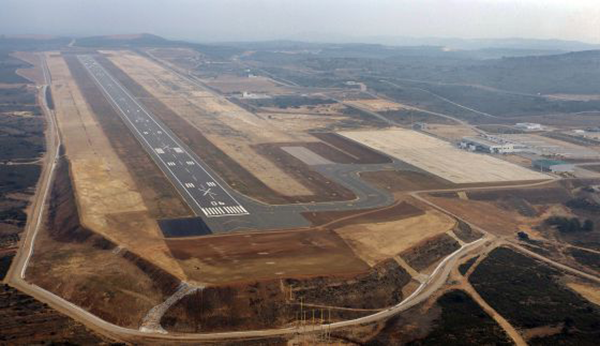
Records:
x=204, y=194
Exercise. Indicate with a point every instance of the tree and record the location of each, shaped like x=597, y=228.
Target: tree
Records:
x=588, y=226
x=523, y=236
x=574, y=225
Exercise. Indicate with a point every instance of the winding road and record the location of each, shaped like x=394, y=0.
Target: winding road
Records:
x=16, y=275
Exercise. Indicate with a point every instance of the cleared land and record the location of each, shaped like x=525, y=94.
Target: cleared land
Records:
x=401, y=181
x=260, y=256
x=589, y=292
x=374, y=242
x=376, y=105
x=89, y=270
x=337, y=219
x=108, y=197
x=33, y=73
x=231, y=128
x=306, y=155
x=236, y=84
x=450, y=132
x=441, y=158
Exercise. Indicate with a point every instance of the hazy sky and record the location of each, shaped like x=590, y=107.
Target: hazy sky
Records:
x=226, y=20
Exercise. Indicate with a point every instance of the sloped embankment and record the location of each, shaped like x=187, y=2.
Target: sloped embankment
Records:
x=89, y=270
x=276, y=303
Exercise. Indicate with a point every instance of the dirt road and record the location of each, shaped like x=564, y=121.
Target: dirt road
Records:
x=36, y=210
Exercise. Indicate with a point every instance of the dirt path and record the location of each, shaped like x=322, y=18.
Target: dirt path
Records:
x=552, y=262
x=502, y=322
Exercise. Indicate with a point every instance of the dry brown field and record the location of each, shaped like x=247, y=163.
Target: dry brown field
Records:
x=34, y=73
x=441, y=158
x=324, y=109
x=376, y=105
x=504, y=212
x=337, y=219
x=450, y=132
x=87, y=269
x=231, y=128
x=258, y=256
x=588, y=291
x=377, y=241
x=108, y=197
x=303, y=122
x=185, y=58
x=402, y=181
x=229, y=84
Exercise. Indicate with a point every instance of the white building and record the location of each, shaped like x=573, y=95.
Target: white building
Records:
x=486, y=145
x=529, y=126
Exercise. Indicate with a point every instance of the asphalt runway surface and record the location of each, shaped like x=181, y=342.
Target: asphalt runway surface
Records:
x=205, y=195
x=222, y=208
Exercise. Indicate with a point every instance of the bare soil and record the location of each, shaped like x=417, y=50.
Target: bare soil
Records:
x=238, y=84
x=228, y=169
x=34, y=73
x=399, y=211
x=254, y=256
x=111, y=201
x=157, y=192
x=359, y=153
x=450, y=132
x=229, y=127
x=89, y=270
x=403, y=181
x=377, y=241
x=442, y=158
x=286, y=302
x=322, y=188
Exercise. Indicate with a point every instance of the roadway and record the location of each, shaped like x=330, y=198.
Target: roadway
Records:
x=16, y=275
x=223, y=208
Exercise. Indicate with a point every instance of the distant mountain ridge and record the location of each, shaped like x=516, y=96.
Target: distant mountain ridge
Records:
x=451, y=42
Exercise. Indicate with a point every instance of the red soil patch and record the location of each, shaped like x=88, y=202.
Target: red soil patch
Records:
x=259, y=256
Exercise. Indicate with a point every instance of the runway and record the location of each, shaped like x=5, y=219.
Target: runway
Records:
x=222, y=208
x=205, y=195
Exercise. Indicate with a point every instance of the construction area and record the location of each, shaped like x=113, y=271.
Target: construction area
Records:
x=345, y=221
x=442, y=158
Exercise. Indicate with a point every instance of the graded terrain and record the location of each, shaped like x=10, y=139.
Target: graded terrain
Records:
x=268, y=194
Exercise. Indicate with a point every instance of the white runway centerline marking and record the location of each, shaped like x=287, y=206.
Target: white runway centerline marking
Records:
x=162, y=146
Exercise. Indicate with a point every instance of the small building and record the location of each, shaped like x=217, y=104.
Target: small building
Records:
x=554, y=166
x=529, y=126
x=486, y=145
x=420, y=126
